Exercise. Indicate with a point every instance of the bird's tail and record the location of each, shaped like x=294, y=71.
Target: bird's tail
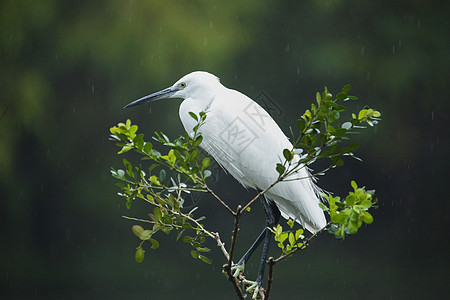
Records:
x=298, y=198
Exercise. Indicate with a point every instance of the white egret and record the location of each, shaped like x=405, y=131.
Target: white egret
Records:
x=243, y=138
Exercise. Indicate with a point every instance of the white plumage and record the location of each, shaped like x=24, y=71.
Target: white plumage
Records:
x=245, y=140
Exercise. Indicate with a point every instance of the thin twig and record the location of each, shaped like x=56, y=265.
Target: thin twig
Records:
x=234, y=235
x=258, y=195
x=228, y=265
x=222, y=246
x=220, y=200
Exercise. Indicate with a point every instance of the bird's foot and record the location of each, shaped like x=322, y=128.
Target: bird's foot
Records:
x=237, y=269
x=251, y=287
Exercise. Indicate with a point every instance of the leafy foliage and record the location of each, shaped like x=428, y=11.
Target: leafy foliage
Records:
x=320, y=132
x=184, y=159
x=348, y=215
x=293, y=239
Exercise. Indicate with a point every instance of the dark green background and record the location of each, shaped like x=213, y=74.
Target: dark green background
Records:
x=69, y=67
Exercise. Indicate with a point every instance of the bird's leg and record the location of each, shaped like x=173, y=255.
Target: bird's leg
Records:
x=272, y=217
x=252, y=248
x=261, y=236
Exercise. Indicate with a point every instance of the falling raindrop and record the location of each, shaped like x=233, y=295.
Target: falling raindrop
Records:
x=362, y=50
x=286, y=49
x=92, y=89
x=432, y=115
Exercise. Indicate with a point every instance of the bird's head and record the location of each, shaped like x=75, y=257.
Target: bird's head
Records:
x=193, y=85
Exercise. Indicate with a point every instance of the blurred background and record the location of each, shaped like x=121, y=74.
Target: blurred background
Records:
x=69, y=67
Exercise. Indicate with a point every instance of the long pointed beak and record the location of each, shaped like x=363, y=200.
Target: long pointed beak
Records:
x=166, y=93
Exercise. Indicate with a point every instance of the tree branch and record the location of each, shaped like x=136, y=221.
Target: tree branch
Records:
x=222, y=246
x=270, y=277
x=219, y=199
x=234, y=235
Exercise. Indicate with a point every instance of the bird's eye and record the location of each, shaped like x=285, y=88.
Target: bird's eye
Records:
x=183, y=85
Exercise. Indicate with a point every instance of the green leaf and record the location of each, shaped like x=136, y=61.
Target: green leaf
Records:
x=193, y=116
x=187, y=226
x=346, y=88
x=155, y=243
x=323, y=206
x=291, y=238
x=206, y=162
x=205, y=259
x=137, y=230
x=299, y=234
x=376, y=114
x=133, y=130
x=290, y=222
x=203, y=249
x=301, y=125
x=347, y=125
x=280, y=169
x=139, y=255
x=367, y=217
x=362, y=114
x=337, y=161
x=341, y=96
x=148, y=147
x=366, y=204
x=162, y=176
x=194, y=254
x=125, y=149
x=145, y=235
x=354, y=185
x=318, y=98
x=282, y=237
x=197, y=141
x=154, y=180
x=187, y=239
x=288, y=154
x=179, y=235
x=339, y=218
x=352, y=227
x=121, y=173
x=351, y=199
x=157, y=213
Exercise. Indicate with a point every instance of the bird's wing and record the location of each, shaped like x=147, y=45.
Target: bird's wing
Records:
x=245, y=140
